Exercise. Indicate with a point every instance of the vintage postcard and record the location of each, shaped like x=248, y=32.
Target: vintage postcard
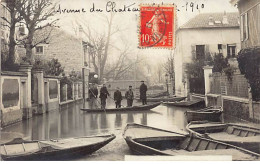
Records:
x=136, y=80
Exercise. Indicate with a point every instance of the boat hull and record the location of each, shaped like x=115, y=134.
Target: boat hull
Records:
x=47, y=153
x=249, y=142
x=191, y=104
x=180, y=145
x=199, y=116
x=172, y=99
x=126, y=109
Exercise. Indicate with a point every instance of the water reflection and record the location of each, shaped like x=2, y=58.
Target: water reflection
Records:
x=144, y=119
x=118, y=120
x=70, y=121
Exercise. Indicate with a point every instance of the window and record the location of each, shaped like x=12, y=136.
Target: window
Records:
x=244, y=27
x=200, y=52
x=220, y=48
x=39, y=49
x=231, y=50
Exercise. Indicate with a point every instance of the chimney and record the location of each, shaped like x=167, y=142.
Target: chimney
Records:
x=225, y=19
x=211, y=21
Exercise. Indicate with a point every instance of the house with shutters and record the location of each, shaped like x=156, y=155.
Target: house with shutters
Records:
x=205, y=33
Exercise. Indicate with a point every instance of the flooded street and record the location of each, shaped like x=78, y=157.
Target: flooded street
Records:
x=70, y=121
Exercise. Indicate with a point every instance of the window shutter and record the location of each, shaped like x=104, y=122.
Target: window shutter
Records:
x=246, y=26
x=241, y=28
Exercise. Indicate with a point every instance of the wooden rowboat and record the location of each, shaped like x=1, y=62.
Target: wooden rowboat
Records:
x=235, y=134
x=164, y=99
x=58, y=149
x=155, y=95
x=147, y=140
x=125, y=109
x=210, y=114
x=194, y=103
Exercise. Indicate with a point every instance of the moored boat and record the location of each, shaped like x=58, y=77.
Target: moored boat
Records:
x=235, y=134
x=147, y=140
x=164, y=99
x=124, y=109
x=210, y=114
x=155, y=95
x=193, y=103
x=58, y=149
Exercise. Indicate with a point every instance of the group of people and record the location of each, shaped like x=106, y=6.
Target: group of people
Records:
x=104, y=94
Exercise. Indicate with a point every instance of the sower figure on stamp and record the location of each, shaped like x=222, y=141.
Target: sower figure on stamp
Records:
x=118, y=97
x=154, y=23
x=103, y=96
x=129, y=95
x=93, y=92
x=143, y=90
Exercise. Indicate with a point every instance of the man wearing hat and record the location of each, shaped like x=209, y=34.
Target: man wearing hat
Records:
x=103, y=96
x=93, y=92
x=143, y=90
x=129, y=95
x=117, y=97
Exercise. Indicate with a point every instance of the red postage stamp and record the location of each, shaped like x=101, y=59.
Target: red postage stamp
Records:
x=157, y=26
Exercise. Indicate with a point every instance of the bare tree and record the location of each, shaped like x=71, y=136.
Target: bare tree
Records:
x=122, y=65
x=37, y=15
x=169, y=65
x=101, y=43
x=15, y=17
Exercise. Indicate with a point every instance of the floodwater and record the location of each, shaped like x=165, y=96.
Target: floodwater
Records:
x=70, y=121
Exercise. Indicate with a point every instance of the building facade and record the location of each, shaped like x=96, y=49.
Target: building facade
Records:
x=205, y=33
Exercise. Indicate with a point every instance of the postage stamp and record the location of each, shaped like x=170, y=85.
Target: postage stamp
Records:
x=157, y=26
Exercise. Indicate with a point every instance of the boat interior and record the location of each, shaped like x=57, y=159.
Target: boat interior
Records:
x=193, y=146
x=228, y=129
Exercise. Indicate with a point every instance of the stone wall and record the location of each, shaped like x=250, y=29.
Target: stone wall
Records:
x=12, y=97
x=237, y=109
x=64, y=47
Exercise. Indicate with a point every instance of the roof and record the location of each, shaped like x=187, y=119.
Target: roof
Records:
x=202, y=21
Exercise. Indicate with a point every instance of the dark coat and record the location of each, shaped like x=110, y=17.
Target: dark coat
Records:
x=103, y=93
x=117, y=96
x=93, y=92
x=143, y=90
x=129, y=95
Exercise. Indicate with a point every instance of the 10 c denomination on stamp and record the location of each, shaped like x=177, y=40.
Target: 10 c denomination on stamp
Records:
x=157, y=26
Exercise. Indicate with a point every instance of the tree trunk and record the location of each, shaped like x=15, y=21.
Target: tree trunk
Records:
x=29, y=46
x=103, y=62
x=12, y=43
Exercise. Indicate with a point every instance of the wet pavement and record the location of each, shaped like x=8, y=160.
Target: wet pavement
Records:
x=70, y=121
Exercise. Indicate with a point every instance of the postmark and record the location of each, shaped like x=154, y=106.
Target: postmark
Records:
x=157, y=26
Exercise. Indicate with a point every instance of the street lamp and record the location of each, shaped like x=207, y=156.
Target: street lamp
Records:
x=166, y=78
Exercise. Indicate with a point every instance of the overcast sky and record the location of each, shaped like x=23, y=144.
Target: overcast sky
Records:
x=128, y=22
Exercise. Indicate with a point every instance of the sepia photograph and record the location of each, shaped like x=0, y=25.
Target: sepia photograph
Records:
x=135, y=80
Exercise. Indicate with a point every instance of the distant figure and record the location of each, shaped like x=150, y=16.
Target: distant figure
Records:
x=93, y=92
x=103, y=96
x=118, y=97
x=129, y=95
x=143, y=90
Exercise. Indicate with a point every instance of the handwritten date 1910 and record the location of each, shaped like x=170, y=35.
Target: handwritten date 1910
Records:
x=193, y=6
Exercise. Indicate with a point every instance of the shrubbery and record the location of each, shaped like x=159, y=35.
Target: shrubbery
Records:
x=249, y=65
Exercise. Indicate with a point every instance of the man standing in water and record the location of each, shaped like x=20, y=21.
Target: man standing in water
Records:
x=129, y=95
x=93, y=92
x=143, y=90
x=118, y=97
x=103, y=96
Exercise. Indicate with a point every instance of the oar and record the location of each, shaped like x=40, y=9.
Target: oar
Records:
x=97, y=100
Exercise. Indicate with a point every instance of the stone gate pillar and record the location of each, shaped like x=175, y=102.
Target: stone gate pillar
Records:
x=27, y=104
x=207, y=74
x=40, y=94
